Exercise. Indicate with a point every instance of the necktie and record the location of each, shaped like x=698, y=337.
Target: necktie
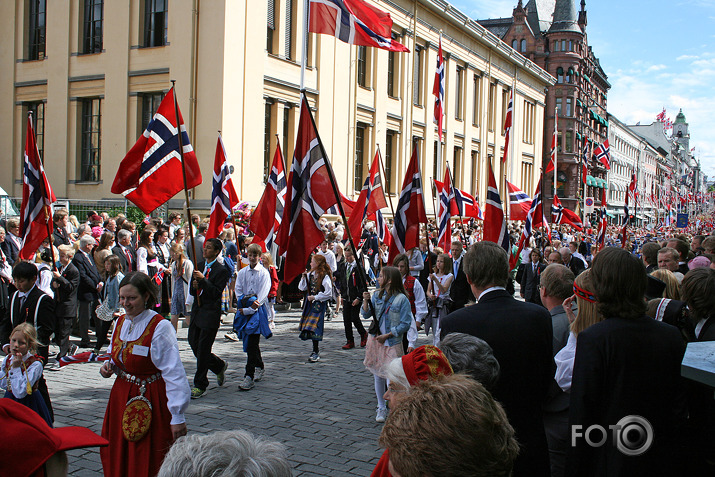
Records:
x=23, y=297
x=129, y=260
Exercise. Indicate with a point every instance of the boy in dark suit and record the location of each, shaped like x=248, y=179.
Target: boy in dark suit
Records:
x=351, y=289
x=209, y=280
x=65, y=284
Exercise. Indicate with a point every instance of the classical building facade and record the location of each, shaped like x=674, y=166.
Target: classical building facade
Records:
x=553, y=35
x=95, y=71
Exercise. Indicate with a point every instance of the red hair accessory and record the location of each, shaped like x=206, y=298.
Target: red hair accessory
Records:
x=425, y=362
x=585, y=294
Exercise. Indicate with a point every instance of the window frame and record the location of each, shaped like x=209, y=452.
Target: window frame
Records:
x=152, y=14
x=90, y=153
x=93, y=28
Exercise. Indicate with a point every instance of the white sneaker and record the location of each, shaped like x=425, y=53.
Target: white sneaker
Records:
x=231, y=336
x=246, y=384
x=258, y=374
x=381, y=415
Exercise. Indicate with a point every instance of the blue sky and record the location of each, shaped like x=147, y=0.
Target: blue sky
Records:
x=657, y=54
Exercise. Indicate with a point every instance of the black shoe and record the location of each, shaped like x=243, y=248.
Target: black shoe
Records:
x=85, y=345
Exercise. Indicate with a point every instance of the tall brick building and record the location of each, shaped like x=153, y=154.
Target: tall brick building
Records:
x=552, y=33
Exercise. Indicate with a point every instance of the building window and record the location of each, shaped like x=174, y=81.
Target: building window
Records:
x=556, y=45
x=559, y=75
x=492, y=111
x=505, y=108
x=558, y=106
x=529, y=120
x=362, y=66
x=290, y=29
x=90, y=150
x=286, y=128
x=36, y=31
x=271, y=26
x=527, y=177
x=155, y=22
x=523, y=46
x=150, y=104
x=569, y=141
x=477, y=104
x=389, y=149
x=515, y=44
x=569, y=106
x=475, y=174
x=559, y=142
x=569, y=75
x=457, y=172
x=570, y=45
x=93, y=20
x=417, y=77
x=436, y=162
x=563, y=45
x=359, y=156
x=268, y=113
x=459, y=96
x=38, y=123
x=391, y=73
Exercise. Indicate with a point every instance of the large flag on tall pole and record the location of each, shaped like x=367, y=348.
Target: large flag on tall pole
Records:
x=534, y=218
x=603, y=154
x=603, y=223
x=410, y=211
x=463, y=205
x=223, y=194
x=446, y=203
x=507, y=124
x=355, y=22
x=438, y=91
x=519, y=202
x=150, y=173
x=37, y=198
x=310, y=193
x=370, y=200
x=271, y=204
x=562, y=215
x=494, y=222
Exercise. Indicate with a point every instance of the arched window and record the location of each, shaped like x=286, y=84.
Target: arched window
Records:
x=515, y=44
x=559, y=75
x=569, y=75
x=523, y=46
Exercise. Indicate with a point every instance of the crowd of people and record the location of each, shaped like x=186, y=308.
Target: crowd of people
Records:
x=503, y=388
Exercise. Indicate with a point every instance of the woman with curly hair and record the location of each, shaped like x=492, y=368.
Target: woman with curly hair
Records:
x=317, y=283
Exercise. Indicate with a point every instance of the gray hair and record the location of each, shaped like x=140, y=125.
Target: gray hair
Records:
x=86, y=240
x=557, y=281
x=473, y=356
x=122, y=234
x=395, y=372
x=224, y=454
x=83, y=229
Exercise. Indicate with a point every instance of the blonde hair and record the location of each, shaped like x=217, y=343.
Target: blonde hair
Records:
x=672, y=287
x=30, y=334
x=587, y=312
x=267, y=260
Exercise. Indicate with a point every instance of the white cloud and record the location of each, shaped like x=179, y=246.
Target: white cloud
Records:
x=687, y=57
x=655, y=68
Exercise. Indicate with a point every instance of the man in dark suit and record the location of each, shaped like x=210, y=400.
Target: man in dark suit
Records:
x=683, y=248
x=65, y=284
x=87, y=291
x=209, y=280
x=351, y=290
x=521, y=337
x=12, y=243
x=530, y=278
x=626, y=365
x=460, y=292
x=126, y=253
x=575, y=264
x=32, y=305
x=430, y=260
x=59, y=234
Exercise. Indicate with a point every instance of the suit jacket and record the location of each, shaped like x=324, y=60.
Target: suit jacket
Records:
x=576, y=266
x=460, y=292
x=530, y=282
x=66, y=294
x=683, y=268
x=88, y=277
x=60, y=236
x=430, y=259
x=119, y=252
x=627, y=367
x=351, y=287
x=11, y=250
x=39, y=311
x=207, y=315
x=520, y=335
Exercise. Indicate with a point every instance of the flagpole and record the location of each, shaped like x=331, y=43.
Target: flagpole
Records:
x=306, y=19
x=461, y=221
x=45, y=197
x=556, y=150
x=183, y=173
x=389, y=197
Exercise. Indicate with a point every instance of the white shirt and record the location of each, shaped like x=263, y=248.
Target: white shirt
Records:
x=330, y=258
x=143, y=264
x=253, y=281
x=165, y=356
x=44, y=279
x=417, y=263
x=17, y=378
x=564, y=364
x=490, y=289
x=324, y=295
x=699, y=327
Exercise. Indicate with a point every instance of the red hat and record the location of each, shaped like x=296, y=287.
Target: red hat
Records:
x=34, y=442
x=425, y=362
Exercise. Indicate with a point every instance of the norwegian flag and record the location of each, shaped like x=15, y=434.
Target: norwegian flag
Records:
x=552, y=163
x=271, y=204
x=507, y=125
x=534, y=218
x=159, y=277
x=602, y=224
x=223, y=194
x=150, y=173
x=438, y=91
x=519, y=202
x=86, y=357
x=410, y=212
x=370, y=200
x=446, y=203
x=660, y=116
x=494, y=224
x=668, y=124
x=309, y=195
x=562, y=215
x=585, y=158
x=603, y=154
x=383, y=233
x=467, y=206
x=37, y=198
x=354, y=22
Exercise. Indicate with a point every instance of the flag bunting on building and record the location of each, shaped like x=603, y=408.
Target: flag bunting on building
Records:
x=494, y=222
x=150, y=173
x=223, y=194
x=309, y=194
x=410, y=212
x=507, y=124
x=519, y=202
x=355, y=22
x=603, y=154
x=37, y=198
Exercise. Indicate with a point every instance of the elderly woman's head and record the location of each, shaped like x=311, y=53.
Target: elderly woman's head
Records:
x=423, y=363
x=473, y=356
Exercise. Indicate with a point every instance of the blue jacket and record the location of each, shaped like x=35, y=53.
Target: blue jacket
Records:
x=396, y=318
x=246, y=325
x=111, y=290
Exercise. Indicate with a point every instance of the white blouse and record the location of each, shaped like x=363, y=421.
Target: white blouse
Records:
x=165, y=356
x=564, y=364
x=324, y=295
x=18, y=379
x=143, y=265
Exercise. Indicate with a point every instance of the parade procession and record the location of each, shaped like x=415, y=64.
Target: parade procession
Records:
x=389, y=240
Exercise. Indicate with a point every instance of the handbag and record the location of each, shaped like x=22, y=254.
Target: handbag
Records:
x=103, y=311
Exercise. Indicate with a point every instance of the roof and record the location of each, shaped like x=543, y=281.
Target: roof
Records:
x=565, y=17
x=680, y=118
x=539, y=14
x=498, y=26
